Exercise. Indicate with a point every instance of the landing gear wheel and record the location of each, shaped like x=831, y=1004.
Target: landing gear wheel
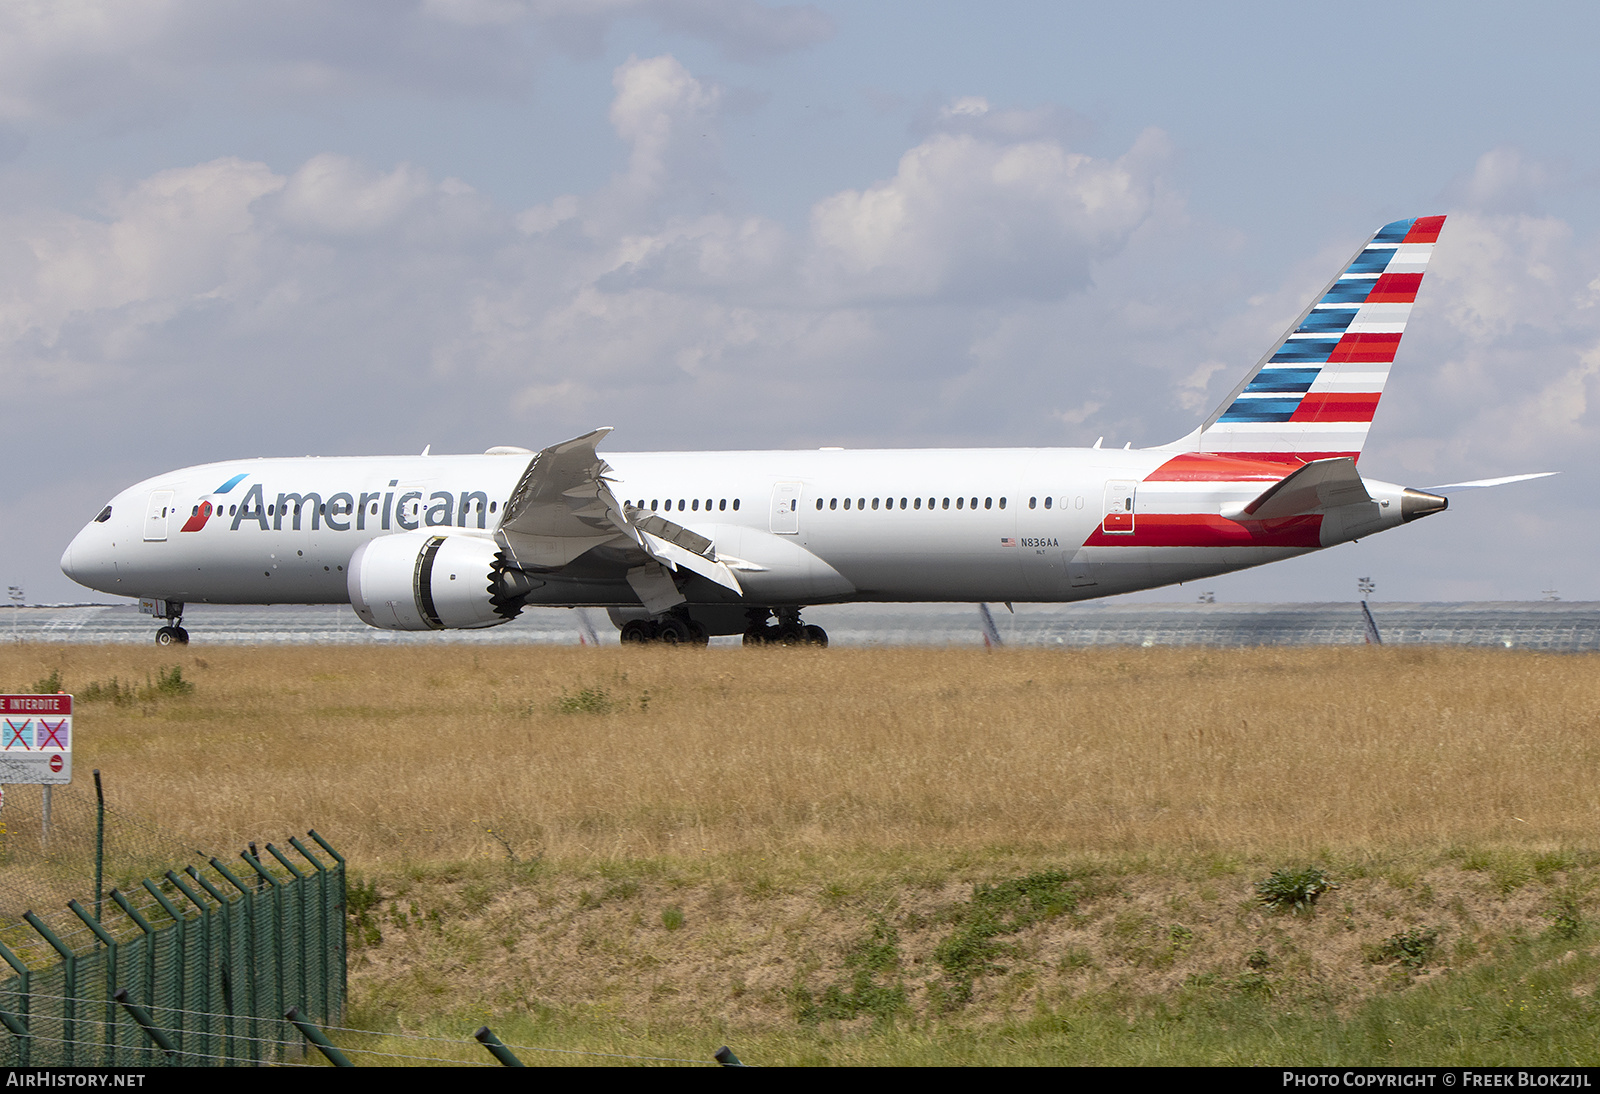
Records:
x=168, y=636
x=792, y=634
x=181, y=635
x=816, y=636
x=637, y=631
x=674, y=631
x=698, y=635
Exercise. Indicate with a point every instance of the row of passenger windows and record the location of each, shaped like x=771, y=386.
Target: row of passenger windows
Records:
x=913, y=503
x=692, y=504
x=322, y=510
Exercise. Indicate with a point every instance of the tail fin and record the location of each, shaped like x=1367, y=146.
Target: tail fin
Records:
x=1313, y=395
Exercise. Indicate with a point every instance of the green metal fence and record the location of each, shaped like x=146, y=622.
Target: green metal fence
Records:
x=210, y=957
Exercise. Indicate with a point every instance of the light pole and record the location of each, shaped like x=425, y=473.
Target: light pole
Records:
x=1367, y=585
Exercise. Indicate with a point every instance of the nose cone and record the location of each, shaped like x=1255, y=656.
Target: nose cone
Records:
x=87, y=559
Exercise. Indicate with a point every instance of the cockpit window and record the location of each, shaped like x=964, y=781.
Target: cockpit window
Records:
x=105, y=515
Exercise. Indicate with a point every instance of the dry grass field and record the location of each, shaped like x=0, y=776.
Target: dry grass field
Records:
x=908, y=855
x=414, y=754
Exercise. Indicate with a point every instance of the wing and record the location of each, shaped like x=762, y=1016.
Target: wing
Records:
x=563, y=507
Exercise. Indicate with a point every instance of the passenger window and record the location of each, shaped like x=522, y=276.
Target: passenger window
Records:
x=723, y=504
x=1047, y=502
x=974, y=503
x=861, y=503
x=847, y=503
x=696, y=505
x=1002, y=503
x=918, y=505
x=819, y=505
x=947, y=503
x=988, y=503
x=735, y=505
x=959, y=501
x=874, y=503
x=1033, y=503
x=902, y=503
x=833, y=503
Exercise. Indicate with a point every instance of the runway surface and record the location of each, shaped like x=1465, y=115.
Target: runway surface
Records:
x=1537, y=625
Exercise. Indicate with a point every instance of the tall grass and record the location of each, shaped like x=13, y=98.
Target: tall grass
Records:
x=431, y=754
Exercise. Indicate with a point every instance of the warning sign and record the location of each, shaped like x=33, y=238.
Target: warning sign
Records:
x=36, y=739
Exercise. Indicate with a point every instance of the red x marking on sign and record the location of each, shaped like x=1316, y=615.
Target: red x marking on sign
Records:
x=51, y=735
x=14, y=737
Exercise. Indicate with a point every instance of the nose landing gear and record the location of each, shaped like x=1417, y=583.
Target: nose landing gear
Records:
x=173, y=633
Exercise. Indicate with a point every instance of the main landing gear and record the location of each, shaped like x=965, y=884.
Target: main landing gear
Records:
x=672, y=629
x=787, y=630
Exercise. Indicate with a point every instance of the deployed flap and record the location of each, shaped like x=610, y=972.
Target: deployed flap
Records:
x=655, y=587
x=1315, y=488
x=663, y=528
x=666, y=551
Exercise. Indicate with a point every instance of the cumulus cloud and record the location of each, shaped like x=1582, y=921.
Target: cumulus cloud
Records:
x=981, y=218
x=337, y=275
x=139, y=58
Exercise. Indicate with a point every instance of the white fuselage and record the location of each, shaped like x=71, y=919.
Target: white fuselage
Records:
x=812, y=527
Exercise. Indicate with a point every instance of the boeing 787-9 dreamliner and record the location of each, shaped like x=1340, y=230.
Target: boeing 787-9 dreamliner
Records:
x=679, y=546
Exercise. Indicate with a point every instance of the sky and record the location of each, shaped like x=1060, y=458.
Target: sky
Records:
x=233, y=229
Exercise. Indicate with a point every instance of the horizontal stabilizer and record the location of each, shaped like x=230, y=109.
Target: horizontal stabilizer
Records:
x=1315, y=488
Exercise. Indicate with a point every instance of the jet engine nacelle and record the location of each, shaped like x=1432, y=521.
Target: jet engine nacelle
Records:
x=419, y=581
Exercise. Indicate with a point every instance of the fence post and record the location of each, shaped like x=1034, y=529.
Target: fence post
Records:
x=69, y=1004
x=99, y=846
x=225, y=967
x=316, y=1037
x=337, y=918
x=23, y=980
x=180, y=927
x=485, y=1037
x=318, y=929
x=273, y=889
x=148, y=1024
x=20, y=1031
x=296, y=894
x=251, y=980
x=110, y=943
x=149, y=949
x=205, y=1005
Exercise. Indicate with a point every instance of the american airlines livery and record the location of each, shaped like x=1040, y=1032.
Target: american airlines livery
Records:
x=679, y=546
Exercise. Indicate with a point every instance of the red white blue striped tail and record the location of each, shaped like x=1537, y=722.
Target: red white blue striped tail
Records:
x=1313, y=396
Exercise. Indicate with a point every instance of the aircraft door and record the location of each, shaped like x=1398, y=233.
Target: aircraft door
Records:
x=1120, y=497
x=786, y=509
x=155, y=517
